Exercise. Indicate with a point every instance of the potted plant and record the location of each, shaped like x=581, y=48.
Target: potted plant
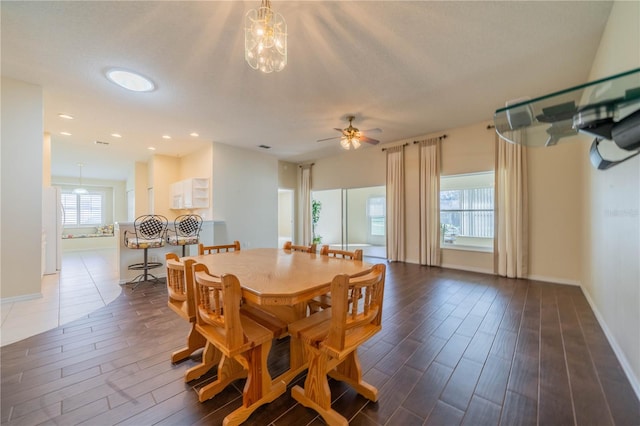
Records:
x=316, y=206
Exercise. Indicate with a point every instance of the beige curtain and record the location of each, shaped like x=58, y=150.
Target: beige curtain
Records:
x=511, y=207
x=430, y=202
x=395, y=203
x=305, y=200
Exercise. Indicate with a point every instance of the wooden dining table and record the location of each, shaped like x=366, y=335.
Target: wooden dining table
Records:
x=281, y=282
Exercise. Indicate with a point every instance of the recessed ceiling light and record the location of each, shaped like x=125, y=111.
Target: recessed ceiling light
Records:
x=194, y=134
x=66, y=116
x=116, y=135
x=65, y=133
x=130, y=80
x=152, y=148
x=166, y=137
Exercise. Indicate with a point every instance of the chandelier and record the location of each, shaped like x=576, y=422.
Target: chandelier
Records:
x=265, y=39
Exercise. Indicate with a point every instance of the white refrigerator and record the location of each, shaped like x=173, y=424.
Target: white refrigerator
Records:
x=52, y=217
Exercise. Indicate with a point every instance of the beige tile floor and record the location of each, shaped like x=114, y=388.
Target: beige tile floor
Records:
x=88, y=281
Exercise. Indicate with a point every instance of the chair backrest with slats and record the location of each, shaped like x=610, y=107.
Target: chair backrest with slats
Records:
x=365, y=315
x=306, y=249
x=223, y=248
x=180, y=285
x=344, y=254
x=218, y=305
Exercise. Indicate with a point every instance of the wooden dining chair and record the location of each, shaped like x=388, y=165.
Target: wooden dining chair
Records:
x=182, y=301
x=324, y=301
x=267, y=319
x=223, y=248
x=238, y=344
x=306, y=249
x=331, y=338
x=344, y=254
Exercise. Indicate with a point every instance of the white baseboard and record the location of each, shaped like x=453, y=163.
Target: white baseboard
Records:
x=635, y=382
x=21, y=298
x=468, y=268
x=553, y=280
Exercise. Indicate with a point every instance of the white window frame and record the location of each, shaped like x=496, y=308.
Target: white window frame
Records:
x=469, y=182
x=78, y=221
x=373, y=217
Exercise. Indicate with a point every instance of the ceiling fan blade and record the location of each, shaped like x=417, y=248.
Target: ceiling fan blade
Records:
x=369, y=140
x=340, y=130
x=328, y=139
x=376, y=130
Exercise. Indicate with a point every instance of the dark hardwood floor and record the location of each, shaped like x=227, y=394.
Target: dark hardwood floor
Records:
x=456, y=348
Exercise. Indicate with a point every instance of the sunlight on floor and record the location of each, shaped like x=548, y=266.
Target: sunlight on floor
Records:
x=88, y=281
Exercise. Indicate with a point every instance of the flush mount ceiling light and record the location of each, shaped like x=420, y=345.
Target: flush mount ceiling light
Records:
x=265, y=39
x=66, y=116
x=80, y=189
x=130, y=80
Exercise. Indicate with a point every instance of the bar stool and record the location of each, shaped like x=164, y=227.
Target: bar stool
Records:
x=186, y=231
x=148, y=232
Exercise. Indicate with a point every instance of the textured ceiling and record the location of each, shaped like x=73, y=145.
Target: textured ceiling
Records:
x=410, y=68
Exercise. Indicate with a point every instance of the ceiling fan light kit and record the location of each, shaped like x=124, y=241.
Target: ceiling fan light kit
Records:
x=352, y=136
x=265, y=39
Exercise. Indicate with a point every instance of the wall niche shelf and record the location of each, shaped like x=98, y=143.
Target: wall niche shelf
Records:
x=608, y=109
x=190, y=194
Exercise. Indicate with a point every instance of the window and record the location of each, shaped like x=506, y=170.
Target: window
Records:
x=466, y=210
x=82, y=209
x=376, y=212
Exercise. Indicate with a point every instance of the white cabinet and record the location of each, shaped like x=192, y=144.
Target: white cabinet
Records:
x=190, y=194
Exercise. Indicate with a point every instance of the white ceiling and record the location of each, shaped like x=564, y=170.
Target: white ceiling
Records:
x=410, y=68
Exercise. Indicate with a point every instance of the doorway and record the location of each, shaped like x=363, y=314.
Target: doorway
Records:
x=285, y=216
x=351, y=219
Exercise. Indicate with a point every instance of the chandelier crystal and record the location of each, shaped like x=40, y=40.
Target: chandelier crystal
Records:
x=265, y=39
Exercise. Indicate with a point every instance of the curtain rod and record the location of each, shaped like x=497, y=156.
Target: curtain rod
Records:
x=308, y=164
x=404, y=144
x=439, y=137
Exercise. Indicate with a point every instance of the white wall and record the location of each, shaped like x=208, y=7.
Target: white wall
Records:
x=465, y=150
x=115, y=193
x=245, y=197
x=163, y=170
x=21, y=189
x=199, y=164
x=611, y=201
x=555, y=211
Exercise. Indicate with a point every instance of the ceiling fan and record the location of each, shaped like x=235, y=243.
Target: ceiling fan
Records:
x=352, y=136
